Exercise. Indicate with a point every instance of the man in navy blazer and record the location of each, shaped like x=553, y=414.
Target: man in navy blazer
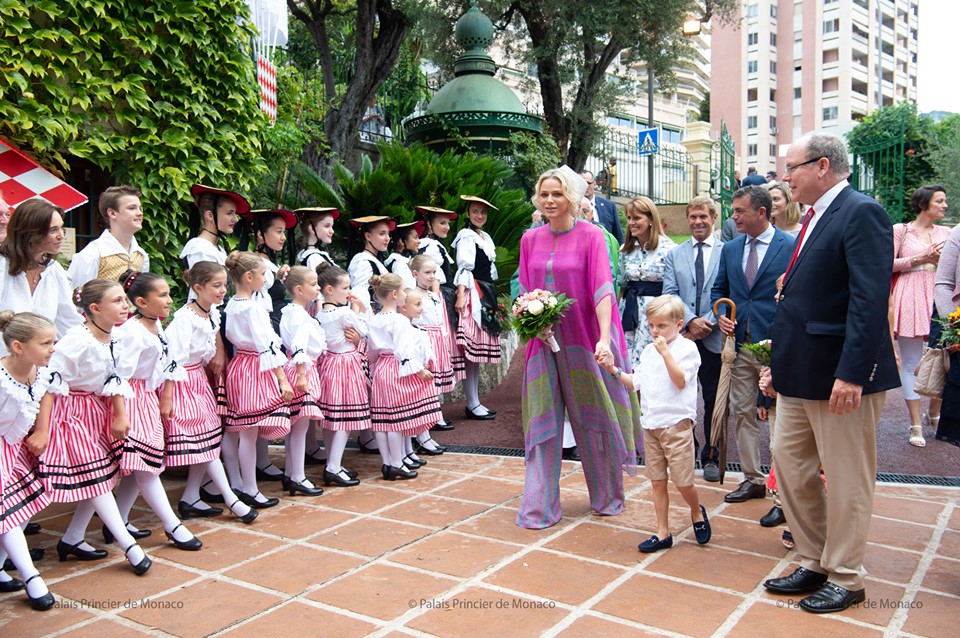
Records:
x=680, y=278
x=832, y=362
x=749, y=268
x=604, y=211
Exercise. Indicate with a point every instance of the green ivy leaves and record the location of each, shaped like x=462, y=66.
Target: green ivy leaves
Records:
x=159, y=94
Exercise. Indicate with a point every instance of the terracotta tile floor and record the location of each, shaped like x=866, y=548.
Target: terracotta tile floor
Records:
x=441, y=556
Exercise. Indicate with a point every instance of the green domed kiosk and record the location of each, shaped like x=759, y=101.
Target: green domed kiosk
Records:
x=484, y=110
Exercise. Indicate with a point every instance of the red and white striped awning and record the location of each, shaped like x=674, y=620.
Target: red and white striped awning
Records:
x=21, y=179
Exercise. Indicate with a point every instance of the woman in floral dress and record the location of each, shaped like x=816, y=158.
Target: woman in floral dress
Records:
x=640, y=271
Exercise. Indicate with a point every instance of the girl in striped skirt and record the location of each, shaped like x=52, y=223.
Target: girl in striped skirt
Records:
x=147, y=363
x=478, y=333
x=257, y=387
x=403, y=397
x=433, y=320
x=193, y=431
x=29, y=339
x=87, y=423
x=304, y=340
x=345, y=401
x=421, y=347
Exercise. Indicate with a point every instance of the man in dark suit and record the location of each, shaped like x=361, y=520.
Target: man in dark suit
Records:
x=753, y=178
x=832, y=362
x=604, y=211
x=689, y=272
x=749, y=268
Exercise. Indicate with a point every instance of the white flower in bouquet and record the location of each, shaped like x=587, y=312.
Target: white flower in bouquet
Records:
x=535, y=307
x=552, y=302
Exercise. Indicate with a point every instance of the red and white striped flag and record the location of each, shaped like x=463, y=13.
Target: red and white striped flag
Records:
x=267, y=79
x=21, y=179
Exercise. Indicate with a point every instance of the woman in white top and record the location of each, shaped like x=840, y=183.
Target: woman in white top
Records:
x=405, y=243
x=30, y=278
x=374, y=233
x=212, y=217
x=478, y=332
x=316, y=225
x=438, y=228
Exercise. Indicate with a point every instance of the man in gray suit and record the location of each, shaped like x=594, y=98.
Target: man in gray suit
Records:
x=691, y=269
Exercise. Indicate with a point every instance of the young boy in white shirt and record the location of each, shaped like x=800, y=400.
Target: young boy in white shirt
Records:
x=667, y=381
x=116, y=250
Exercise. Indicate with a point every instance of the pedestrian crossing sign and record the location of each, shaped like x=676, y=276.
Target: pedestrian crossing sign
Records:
x=648, y=141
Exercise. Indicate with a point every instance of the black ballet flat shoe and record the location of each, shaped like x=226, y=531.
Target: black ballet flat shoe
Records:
x=312, y=460
x=412, y=463
x=393, y=473
x=364, y=449
x=31, y=529
x=470, y=414
x=251, y=501
x=187, y=510
x=297, y=487
x=421, y=449
x=443, y=427
x=247, y=518
x=210, y=497
x=143, y=566
x=335, y=477
x=137, y=534
x=11, y=585
x=40, y=603
x=191, y=545
x=262, y=474
x=64, y=550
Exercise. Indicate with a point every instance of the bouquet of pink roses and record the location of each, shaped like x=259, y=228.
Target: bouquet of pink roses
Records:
x=533, y=312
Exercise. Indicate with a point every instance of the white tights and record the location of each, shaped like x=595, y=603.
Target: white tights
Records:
x=149, y=485
x=295, y=446
x=471, y=387
x=391, y=447
x=14, y=545
x=335, y=447
x=248, y=462
x=106, y=508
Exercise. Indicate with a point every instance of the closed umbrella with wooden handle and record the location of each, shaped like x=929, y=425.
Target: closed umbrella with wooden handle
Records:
x=721, y=409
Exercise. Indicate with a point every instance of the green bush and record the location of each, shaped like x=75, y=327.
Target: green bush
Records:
x=408, y=177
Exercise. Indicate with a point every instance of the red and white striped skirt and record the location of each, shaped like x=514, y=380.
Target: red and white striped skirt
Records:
x=254, y=399
x=22, y=494
x=220, y=394
x=477, y=344
x=143, y=447
x=82, y=459
x=442, y=366
x=193, y=433
x=401, y=404
x=345, y=401
x=306, y=405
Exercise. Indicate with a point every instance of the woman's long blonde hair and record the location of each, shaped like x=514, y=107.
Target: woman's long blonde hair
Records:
x=792, y=212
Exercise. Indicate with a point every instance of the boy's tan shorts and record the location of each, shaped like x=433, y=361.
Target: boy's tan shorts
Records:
x=670, y=447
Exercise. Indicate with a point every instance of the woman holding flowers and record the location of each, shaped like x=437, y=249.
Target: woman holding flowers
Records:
x=917, y=246
x=570, y=257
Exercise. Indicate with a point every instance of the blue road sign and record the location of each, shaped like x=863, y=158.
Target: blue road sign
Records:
x=648, y=141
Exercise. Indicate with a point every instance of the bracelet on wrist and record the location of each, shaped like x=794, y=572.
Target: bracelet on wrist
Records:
x=616, y=373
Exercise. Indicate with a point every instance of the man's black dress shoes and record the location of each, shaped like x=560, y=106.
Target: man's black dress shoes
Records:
x=831, y=598
x=774, y=517
x=801, y=581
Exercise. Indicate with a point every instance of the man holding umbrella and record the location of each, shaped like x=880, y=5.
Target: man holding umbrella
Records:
x=749, y=268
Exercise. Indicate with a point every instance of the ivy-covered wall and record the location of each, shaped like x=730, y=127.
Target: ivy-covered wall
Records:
x=160, y=94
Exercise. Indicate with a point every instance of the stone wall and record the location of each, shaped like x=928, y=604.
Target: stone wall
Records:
x=491, y=375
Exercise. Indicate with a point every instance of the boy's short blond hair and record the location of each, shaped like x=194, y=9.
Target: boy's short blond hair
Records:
x=669, y=306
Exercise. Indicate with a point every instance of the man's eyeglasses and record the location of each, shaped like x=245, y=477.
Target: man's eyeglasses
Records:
x=790, y=169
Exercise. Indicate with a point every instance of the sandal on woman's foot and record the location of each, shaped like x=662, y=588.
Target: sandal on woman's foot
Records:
x=787, y=539
x=916, y=436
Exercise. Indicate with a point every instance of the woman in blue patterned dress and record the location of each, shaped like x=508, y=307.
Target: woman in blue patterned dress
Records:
x=640, y=271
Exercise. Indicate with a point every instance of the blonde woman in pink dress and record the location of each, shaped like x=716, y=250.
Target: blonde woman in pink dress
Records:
x=917, y=247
